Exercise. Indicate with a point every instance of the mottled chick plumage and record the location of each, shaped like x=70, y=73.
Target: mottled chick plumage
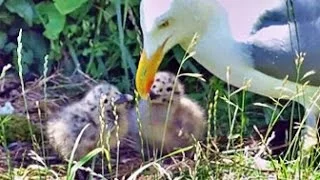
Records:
x=65, y=125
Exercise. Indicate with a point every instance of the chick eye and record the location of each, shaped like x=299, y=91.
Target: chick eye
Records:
x=164, y=24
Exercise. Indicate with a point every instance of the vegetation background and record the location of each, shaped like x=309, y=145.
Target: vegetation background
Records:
x=102, y=39
x=99, y=38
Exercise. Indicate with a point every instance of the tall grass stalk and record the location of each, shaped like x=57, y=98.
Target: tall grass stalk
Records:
x=96, y=34
x=243, y=116
x=73, y=55
x=19, y=53
x=70, y=175
x=42, y=148
x=231, y=136
x=3, y=121
x=2, y=75
x=4, y=143
x=79, y=165
x=4, y=70
x=189, y=53
x=139, y=125
x=228, y=105
x=125, y=56
x=215, y=119
x=210, y=109
x=45, y=76
x=116, y=123
x=104, y=136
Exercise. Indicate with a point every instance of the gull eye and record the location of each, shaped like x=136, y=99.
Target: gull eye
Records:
x=164, y=24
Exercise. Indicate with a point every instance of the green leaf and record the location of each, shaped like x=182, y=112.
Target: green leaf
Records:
x=23, y=8
x=82, y=11
x=27, y=56
x=1, y=1
x=133, y=3
x=68, y=6
x=6, y=18
x=8, y=48
x=35, y=42
x=52, y=20
x=3, y=39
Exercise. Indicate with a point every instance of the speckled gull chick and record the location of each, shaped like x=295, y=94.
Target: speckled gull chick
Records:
x=64, y=126
x=257, y=41
x=169, y=121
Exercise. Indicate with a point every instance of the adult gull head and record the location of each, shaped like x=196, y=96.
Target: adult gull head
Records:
x=254, y=43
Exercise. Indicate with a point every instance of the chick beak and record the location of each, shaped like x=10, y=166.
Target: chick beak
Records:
x=153, y=95
x=123, y=98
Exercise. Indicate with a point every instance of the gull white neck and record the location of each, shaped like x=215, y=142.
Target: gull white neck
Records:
x=217, y=51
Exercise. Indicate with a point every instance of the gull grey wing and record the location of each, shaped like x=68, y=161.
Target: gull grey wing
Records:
x=273, y=50
x=301, y=11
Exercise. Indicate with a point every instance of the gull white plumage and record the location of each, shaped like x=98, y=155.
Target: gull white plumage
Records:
x=256, y=42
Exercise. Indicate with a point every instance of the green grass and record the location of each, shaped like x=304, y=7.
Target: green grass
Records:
x=211, y=160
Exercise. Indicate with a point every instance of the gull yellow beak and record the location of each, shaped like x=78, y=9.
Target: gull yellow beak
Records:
x=147, y=69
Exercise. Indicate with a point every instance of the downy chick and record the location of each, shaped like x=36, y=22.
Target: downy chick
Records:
x=64, y=126
x=185, y=119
